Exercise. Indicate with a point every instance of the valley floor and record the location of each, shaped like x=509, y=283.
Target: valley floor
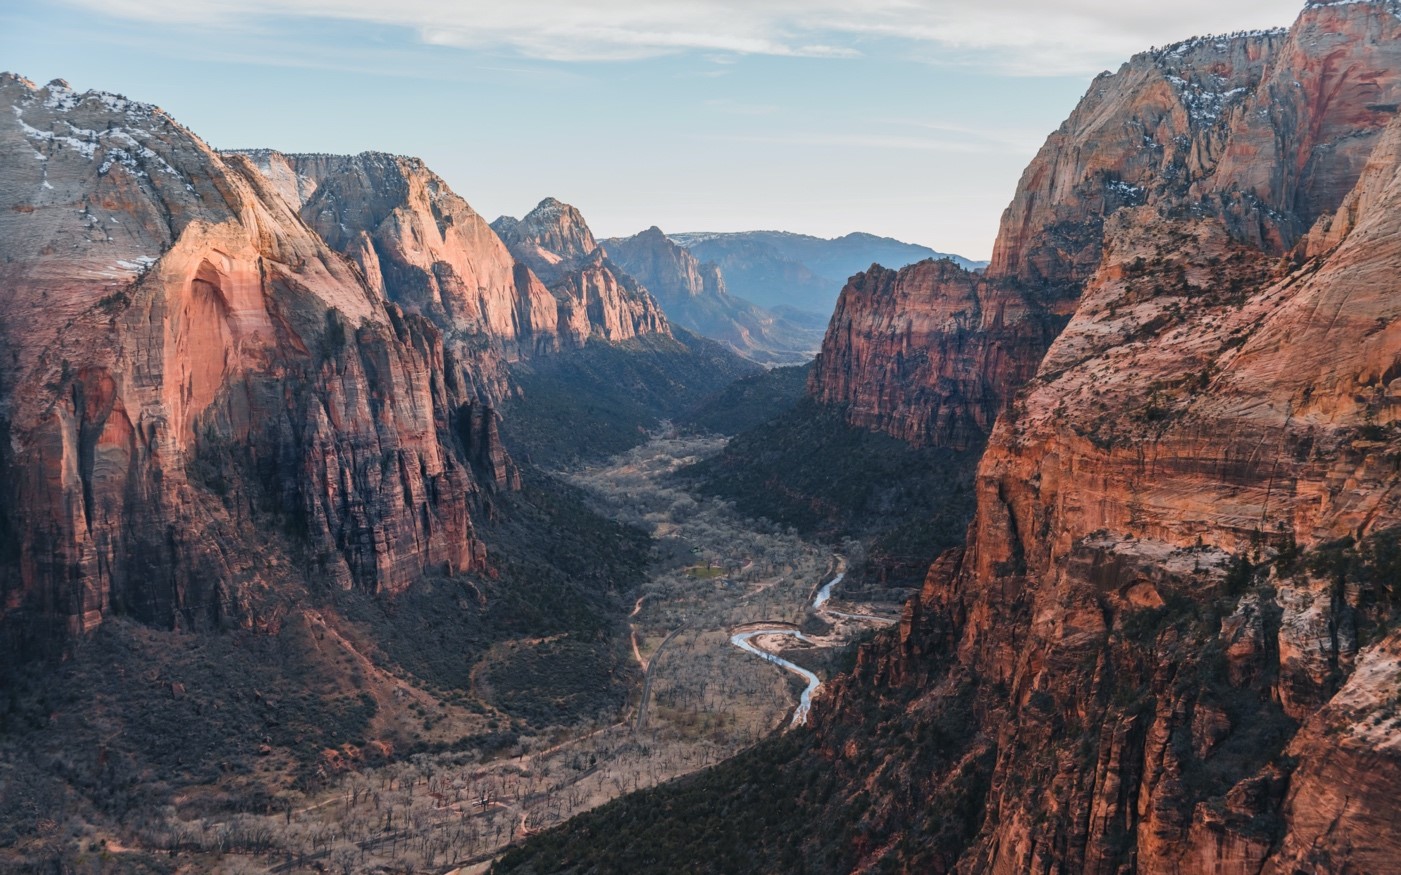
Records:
x=716, y=580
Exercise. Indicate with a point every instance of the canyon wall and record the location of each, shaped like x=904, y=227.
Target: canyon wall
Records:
x=202, y=399
x=1173, y=626
x=594, y=295
x=1263, y=132
x=423, y=247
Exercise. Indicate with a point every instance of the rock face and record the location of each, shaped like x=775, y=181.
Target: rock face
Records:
x=423, y=247
x=1263, y=132
x=188, y=365
x=549, y=239
x=929, y=353
x=555, y=243
x=1158, y=682
x=694, y=296
x=419, y=245
x=672, y=273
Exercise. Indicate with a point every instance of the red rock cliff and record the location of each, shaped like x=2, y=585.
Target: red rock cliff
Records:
x=418, y=244
x=187, y=364
x=554, y=242
x=929, y=353
x=1141, y=699
x=1266, y=132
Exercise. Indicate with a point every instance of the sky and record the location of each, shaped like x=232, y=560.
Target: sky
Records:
x=906, y=118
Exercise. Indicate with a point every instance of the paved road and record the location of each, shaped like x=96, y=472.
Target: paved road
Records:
x=647, y=681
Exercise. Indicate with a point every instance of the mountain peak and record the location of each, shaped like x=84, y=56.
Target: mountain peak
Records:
x=555, y=228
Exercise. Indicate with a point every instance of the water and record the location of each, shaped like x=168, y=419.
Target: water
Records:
x=826, y=592
x=741, y=640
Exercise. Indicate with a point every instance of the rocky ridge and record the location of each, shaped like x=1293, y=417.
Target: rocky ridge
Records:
x=190, y=362
x=549, y=238
x=555, y=242
x=422, y=246
x=798, y=274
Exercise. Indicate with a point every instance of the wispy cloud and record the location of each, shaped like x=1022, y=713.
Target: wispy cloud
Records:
x=1033, y=37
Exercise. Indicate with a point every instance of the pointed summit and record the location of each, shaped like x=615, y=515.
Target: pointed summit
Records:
x=560, y=228
x=551, y=235
x=554, y=242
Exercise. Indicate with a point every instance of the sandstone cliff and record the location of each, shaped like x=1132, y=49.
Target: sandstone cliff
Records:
x=188, y=364
x=1174, y=624
x=419, y=245
x=930, y=353
x=694, y=296
x=549, y=238
x=1262, y=132
x=554, y=242
x=423, y=247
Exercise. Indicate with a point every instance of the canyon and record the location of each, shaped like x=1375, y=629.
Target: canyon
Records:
x=310, y=421
x=695, y=295
x=253, y=458
x=1265, y=133
x=351, y=316
x=1169, y=644
x=797, y=273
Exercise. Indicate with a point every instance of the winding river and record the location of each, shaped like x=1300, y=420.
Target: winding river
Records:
x=742, y=640
x=826, y=592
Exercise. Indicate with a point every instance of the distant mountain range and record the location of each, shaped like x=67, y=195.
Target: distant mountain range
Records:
x=780, y=269
x=694, y=295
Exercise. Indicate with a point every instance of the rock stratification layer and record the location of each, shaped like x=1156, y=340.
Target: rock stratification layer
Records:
x=930, y=353
x=1264, y=132
x=1175, y=619
x=188, y=363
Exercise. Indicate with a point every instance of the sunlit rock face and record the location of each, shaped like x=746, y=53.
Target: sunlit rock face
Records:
x=418, y=244
x=1217, y=225
x=190, y=370
x=594, y=296
x=1261, y=133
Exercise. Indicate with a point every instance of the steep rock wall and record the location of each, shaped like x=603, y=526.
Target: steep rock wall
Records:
x=186, y=364
x=1264, y=133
